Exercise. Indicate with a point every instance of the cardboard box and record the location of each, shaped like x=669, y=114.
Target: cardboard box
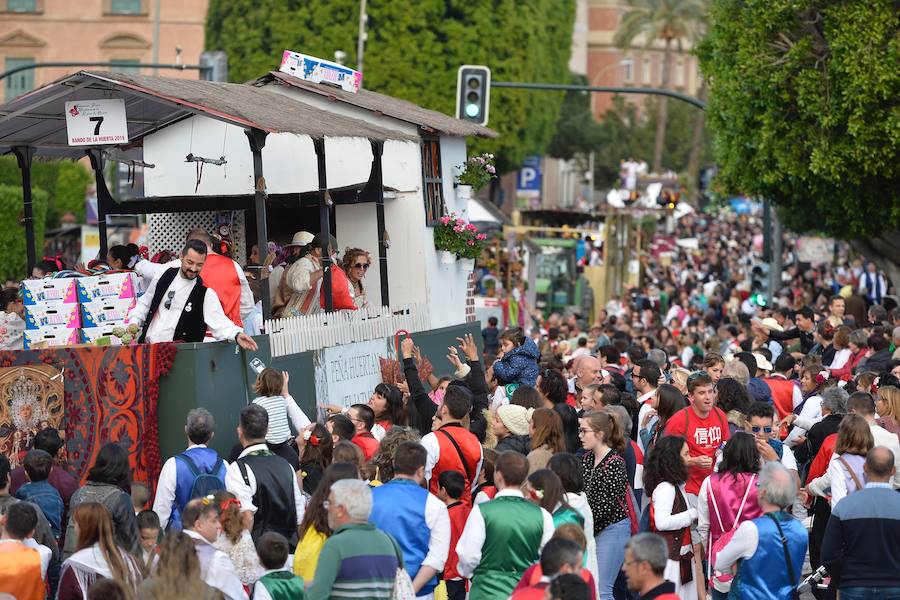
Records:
x=90, y=335
x=107, y=287
x=99, y=313
x=52, y=314
x=38, y=291
x=51, y=336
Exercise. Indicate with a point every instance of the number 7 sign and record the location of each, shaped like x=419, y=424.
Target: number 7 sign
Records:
x=96, y=122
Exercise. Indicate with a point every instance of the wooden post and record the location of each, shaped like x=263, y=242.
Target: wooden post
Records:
x=257, y=140
x=377, y=179
x=325, y=225
x=24, y=156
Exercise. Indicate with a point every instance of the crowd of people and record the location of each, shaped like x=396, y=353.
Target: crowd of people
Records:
x=688, y=442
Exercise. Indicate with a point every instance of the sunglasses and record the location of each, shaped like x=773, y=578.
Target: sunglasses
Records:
x=758, y=429
x=696, y=375
x=363, y=266
x=169, y=297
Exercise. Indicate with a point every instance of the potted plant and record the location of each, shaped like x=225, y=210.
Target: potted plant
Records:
x=455, y=238
x=475, y=174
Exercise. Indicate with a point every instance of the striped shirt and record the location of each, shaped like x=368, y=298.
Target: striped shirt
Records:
x=358, y=561
x=280, y=408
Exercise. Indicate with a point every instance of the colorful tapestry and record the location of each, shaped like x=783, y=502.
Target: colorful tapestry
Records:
x=31, y=399
x=111, y=394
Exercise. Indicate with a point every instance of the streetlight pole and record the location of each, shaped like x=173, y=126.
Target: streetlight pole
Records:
x=361, y=38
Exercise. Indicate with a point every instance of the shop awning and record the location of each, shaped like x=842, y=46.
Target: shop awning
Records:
x=37, y=119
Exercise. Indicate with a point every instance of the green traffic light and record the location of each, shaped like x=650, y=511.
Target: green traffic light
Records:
x=472, y=110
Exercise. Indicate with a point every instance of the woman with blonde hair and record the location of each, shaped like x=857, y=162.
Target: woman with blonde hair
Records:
x=680, y=376
x=547, y=438
x=606, y=487
x=887, y=404
x=177, y=573
x=97, y=557
x=356, y=263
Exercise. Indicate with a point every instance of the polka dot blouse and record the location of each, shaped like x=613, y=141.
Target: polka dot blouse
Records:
x=605, y=486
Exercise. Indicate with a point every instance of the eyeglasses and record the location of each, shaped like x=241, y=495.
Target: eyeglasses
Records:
x=636, y=375
x=169, y=297
x=757, y=429
x=363, y=266
x=583, y=431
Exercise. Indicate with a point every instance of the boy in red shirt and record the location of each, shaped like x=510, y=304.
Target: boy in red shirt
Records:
x=363, y=418
x=451, y=485
x=703, y=425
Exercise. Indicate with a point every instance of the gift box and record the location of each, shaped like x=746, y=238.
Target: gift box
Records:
x=38, y=291
x=110, y=286
x=51, y=336
x=91, y=335
x=98, y=313
x=52, y=314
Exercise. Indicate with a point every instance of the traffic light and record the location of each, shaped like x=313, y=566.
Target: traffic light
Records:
x=760, y=290
x=473, y=93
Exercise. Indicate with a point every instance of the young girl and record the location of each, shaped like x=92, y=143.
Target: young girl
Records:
x=546, y=490
x=273, y=395
x=235, y=540
x=316, y=446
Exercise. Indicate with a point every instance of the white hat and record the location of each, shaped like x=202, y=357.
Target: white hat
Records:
x=515, y=418
x=301, y=238
x=761, y=363
x=770, y=324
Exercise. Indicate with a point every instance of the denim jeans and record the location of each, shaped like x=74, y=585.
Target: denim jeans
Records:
x=870, y=593
x=610, y=555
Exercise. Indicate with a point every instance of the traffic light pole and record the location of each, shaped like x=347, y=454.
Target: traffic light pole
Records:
x=696, y=102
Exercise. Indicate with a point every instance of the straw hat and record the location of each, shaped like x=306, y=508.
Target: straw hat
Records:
x=770, y=324
x=301, y=238
x=762, y=363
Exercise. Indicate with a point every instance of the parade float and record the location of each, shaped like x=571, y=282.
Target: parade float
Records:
x=302, y=148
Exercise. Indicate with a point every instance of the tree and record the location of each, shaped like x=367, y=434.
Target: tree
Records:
x=804, y=111
x=577, y=132
x=625, y=131
x=672, y=22
x=413, y=52
x=12, y=232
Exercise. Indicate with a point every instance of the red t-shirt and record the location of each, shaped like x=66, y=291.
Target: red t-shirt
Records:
x=704, y=438
x=458, y=512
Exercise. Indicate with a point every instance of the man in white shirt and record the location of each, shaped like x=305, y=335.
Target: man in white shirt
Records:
x=263, y=480
x=150, y=271
x=176, y=479
x=201, y=524
x=645, y=376
x=416, y=519
x=178, y=307
x=494, y=568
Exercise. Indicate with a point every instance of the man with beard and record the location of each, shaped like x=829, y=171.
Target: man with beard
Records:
x=178, y=307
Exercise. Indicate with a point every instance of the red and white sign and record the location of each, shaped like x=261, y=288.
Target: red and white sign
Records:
x=94, y=122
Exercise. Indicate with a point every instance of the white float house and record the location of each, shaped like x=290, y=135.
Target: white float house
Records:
x=281, y=154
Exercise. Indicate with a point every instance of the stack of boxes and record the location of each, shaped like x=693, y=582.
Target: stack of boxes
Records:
x=67, y=311
x=105, y=302
x=52, y=313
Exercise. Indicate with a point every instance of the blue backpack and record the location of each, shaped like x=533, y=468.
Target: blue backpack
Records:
x=205, y=484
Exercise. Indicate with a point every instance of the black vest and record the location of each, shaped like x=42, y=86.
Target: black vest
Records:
x=276, y=509
x=191, y=327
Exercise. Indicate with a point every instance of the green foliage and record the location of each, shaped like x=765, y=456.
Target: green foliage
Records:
x=577, y=132
x=13, y=259
x=626, y=132
x=64, y=181
x=655, y=20
x=804, y=109
x=413, y=52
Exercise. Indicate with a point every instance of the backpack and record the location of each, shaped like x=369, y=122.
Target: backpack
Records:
x=721, y=580
x=205, y=484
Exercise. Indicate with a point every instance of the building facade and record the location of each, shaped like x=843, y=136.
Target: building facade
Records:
x=608, y=65
x=124, y=32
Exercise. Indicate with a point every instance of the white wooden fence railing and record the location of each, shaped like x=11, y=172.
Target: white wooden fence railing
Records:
x=293, y=335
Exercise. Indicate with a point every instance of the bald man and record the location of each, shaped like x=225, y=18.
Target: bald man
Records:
x=860, y=547
x=587, y=372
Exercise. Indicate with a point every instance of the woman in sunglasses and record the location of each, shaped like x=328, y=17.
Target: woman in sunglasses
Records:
x=356, y=263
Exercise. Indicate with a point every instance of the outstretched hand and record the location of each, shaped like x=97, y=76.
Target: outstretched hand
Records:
x=453, y=358
x=406, y=347
x=467, y=345
x=246, y=342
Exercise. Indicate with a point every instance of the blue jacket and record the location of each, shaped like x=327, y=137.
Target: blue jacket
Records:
x=519, y=365
x=47, y=497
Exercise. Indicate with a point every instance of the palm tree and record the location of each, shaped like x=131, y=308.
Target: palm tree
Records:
x=671, y=21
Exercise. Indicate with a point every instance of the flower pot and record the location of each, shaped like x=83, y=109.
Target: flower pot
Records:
x=467, y=264
x=463, y=193
x=446, y=258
